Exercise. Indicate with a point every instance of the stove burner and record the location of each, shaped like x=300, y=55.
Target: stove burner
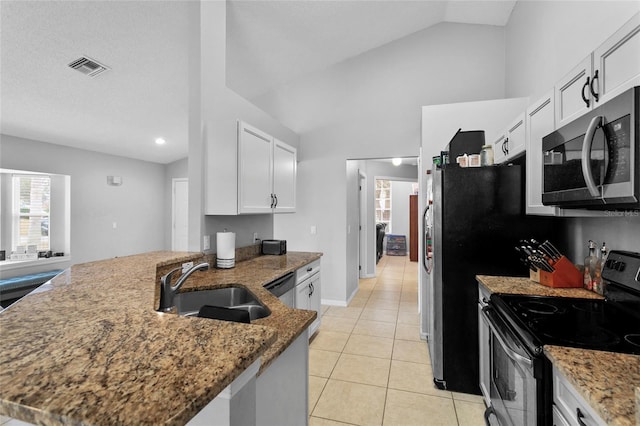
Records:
x=592, y=307
x=538, y=307
x=633, y=339
x=596, y=337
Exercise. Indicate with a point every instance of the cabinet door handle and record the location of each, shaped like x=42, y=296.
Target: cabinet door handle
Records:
x=584, y=98
x=579, y=417
x=593, y=80
x=505, y=146
x=310, y=289
x=272, y=200
x=275, y=196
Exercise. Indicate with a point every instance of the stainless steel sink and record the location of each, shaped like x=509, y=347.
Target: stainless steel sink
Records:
x=190, y=302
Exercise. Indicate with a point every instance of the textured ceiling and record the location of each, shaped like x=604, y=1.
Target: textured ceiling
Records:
x=144, y=95
x=270, y=43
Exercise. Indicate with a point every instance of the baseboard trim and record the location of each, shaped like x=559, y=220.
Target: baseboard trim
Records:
x=331, y=302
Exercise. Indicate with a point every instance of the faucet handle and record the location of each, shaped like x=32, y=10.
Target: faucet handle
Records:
x=166, y=279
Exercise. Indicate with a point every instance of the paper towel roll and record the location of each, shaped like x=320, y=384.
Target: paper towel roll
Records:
x=226, y=245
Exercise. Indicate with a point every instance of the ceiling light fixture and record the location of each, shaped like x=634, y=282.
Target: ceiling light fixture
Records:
x=160, y=141
x=396, y=161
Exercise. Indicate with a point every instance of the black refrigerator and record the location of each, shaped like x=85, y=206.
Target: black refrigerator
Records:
x=473, y=223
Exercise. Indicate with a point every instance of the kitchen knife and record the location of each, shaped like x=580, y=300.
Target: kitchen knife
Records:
x=553, y=249
x=548, y=253
x=542, y=264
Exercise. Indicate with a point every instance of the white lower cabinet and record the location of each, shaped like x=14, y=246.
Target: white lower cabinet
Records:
x=569, y=407
x=282, y=390
x=235, y=405
x=308, y=288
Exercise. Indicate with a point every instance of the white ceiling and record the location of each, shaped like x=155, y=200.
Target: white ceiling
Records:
x=144, y=95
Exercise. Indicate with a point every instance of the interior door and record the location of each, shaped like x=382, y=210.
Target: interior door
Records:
x=180, y=215
x=362, y=228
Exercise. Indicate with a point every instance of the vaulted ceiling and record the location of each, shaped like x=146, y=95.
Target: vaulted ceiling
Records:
x=144, y=93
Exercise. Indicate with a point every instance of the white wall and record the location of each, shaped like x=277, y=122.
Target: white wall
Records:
x=369, y=107
x=137, y=206
x=441, y=122
x=545, y=40
x=214, y=111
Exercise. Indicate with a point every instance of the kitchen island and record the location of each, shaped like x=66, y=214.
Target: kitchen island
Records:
x=89, y=347
x=605, y=380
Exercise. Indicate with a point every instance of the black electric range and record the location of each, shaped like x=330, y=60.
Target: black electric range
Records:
x=520, y=382
x=612, y=324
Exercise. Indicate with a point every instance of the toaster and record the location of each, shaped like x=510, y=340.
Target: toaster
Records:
x=277, y=247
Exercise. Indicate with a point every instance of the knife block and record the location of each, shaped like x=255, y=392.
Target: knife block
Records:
x=566, y=275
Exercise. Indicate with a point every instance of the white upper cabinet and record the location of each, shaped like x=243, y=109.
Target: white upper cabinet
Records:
x=511, y=142
x=284, y=176
x=573, y=93
x=618, y=61
x=500, y=148
x=610, y=70
x=266, y=172
x=517, y=137
x=540, y=120
x=255, y=170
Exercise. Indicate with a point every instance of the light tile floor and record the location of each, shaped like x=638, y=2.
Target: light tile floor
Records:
x=368, y=366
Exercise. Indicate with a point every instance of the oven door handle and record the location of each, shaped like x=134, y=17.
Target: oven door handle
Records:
x=503, y=338
x=595, y=123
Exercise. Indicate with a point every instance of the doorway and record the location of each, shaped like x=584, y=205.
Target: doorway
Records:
x=361, y=245
x=180, y=215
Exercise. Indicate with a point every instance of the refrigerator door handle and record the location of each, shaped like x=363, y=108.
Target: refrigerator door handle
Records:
x=425, y=255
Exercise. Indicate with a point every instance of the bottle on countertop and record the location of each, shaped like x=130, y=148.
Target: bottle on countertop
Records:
x=590, y=266
x=598, y=284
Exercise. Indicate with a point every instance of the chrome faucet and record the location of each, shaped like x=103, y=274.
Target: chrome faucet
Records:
x=168, y=291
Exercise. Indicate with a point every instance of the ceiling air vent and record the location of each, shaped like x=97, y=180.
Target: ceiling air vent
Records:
x=88, y=66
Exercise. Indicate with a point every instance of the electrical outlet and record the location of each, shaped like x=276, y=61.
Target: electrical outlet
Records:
x=206, y=242
x=186, y=266
x=255, y=237
x=314, y=230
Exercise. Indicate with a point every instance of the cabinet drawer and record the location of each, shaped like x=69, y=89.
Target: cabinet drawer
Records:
x=307, y=270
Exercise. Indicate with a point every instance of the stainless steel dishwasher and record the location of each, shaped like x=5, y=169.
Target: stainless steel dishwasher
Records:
x=284, y=289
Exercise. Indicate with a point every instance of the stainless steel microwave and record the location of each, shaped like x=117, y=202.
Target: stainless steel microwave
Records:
x=594, y=161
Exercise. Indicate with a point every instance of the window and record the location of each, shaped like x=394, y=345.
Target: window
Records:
x=31, y=207
x=383, y=203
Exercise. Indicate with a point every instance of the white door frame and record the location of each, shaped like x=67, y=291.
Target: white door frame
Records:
x=183, y=211
x=362, y=229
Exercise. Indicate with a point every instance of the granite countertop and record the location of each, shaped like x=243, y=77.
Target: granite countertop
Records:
x=90, y=348
x=254, y=274
x=606, y=380
x=523, y=285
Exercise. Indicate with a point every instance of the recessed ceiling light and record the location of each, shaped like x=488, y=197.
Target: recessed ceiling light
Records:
x=160, y=141
x=396, y=161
